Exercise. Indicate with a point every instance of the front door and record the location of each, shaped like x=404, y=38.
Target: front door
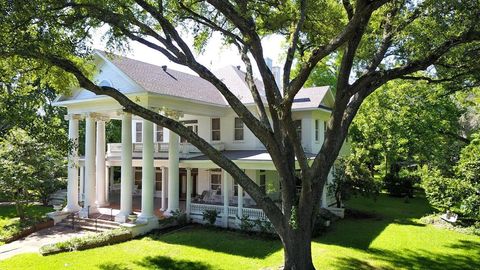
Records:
x=183, y=183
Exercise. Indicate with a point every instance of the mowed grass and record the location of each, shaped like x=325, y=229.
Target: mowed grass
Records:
x=391, y=239
x=10, y=223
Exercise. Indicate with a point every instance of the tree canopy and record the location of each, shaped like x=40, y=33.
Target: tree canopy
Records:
x=376, y=41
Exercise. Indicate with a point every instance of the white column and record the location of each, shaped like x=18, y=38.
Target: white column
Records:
x=100, y=166
x=127, y=169
x=107, y=184
x=89, y=206
x=148, y=172
x=72, y=187
x=81, y=195
x=173, y=181
x=164, y=188
x=240, y=202
x=225, y=191
x=189, y=192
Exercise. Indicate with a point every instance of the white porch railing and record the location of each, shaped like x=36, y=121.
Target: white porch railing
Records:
x=253, y=213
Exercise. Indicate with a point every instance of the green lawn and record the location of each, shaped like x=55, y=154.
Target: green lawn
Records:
x=391, y=240
x=10, y=224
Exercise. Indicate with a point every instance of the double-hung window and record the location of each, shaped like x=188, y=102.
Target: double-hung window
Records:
x=216, y=181
x=317, y=130
x=298, y=127
x=215, y=129
x=138, y=132
x=238, y=129
x=158, y=133
x=263, y=181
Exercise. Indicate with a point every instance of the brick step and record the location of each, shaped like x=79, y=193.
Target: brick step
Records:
x=89, y=224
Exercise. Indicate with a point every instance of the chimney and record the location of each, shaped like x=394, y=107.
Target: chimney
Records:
x=164, y=67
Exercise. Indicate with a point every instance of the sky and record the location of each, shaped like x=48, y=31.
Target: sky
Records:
x=215, y=56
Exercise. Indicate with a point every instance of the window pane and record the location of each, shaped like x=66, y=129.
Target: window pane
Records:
x=215, y=123
x=238, y=123
x=238, y=134
x=215, y=135
x=316, y=129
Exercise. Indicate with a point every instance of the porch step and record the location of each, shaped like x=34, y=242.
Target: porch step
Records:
x=89, y=224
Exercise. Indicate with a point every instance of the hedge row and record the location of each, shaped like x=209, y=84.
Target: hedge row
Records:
x=89, y=241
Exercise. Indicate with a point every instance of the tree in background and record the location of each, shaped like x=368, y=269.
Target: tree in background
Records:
x=460, y=192
x=351, y=177
x=29, y=169
x=377, y=42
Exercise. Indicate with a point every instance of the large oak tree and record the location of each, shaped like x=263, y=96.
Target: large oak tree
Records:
x=376, y=41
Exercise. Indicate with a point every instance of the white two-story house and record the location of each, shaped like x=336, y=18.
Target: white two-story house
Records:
x=161, y=172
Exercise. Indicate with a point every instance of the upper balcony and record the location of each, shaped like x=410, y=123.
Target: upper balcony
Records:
x=186, y=150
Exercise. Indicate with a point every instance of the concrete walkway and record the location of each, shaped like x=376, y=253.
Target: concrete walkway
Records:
x=33, y=242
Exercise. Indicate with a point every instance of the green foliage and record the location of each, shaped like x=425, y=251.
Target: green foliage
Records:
x=459, y=193
x=245, y=223
x=10, y=223
x=264, y=226
x=179, y=216
x=30, y=169
x=406, y=123
x=400, y=186
x=86, y=242
x=210, y=216
x=351, y=177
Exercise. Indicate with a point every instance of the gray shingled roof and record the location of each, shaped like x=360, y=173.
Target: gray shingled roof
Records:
x=170, y=82
x=179, y=84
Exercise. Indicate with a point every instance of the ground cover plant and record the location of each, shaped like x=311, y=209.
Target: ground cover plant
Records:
x=385, y=234
x=10, y=223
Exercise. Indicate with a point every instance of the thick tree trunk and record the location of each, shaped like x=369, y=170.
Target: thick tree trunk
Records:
x=297, y=250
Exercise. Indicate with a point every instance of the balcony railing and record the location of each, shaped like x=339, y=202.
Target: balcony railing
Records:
x=185, y=148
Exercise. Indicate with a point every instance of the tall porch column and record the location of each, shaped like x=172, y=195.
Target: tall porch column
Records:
x=81, y=195
x=173, y=172
x=189, y=192
x=89, y=206
x=164, y=188
x=72, y=188
x=240, y=202
x=101, y=166
x=127, y=170
x=148, y=172
x=225, y=191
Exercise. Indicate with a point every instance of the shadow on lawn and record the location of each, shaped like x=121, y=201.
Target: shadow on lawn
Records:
x=220, y=240
x=407, y=259
x=160, y=262
x=359, y=232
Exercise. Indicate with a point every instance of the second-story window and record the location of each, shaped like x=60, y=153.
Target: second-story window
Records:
x=317, y=130
x=263, y=181
x=215, y=129
x=238, y=129
x=138, y=132
x=298, y=127
x=158, y=133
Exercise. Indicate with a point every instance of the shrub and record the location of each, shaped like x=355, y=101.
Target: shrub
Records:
x=179, y=216
x=210, y=216
x=399, y=186
x=245, y=223
x=264, y=226
x=87, y=242
x=351, y=177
